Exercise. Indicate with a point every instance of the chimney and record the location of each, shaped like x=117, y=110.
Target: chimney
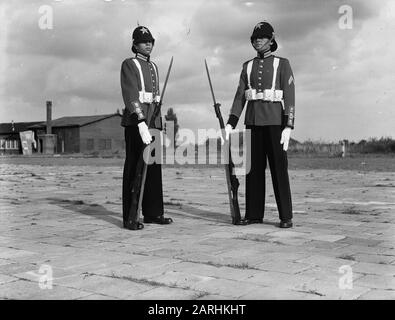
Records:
x=49, y=117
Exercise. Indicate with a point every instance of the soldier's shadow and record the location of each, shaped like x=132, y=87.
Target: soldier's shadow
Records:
x=195, y=213
x=94, y=210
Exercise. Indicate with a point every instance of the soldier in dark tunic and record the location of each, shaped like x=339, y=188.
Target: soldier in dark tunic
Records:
x=140, y=92
x=267, y=87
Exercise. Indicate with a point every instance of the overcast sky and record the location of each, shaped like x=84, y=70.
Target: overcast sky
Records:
x=344, y=77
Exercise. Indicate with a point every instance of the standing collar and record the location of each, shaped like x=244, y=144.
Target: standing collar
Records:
x=142, y=57
x=266, y=54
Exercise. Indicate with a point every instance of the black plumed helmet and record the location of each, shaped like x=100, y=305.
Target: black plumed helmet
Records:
x=141, y=35
x=264, y=30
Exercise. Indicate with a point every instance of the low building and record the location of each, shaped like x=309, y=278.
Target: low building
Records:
x=99, y=134
x=10, y=142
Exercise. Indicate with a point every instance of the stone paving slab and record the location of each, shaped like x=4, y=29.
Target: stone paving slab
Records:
x=376, y=281
x=275, y=279
x=331, y=290
x=215, y=271
x=377, y=294
x=165, y=293
x=70, y=220
x=328, y=262
x=95, y=296
x=278, y=293
x=5, y=279
x=327, y=274
x=375, y=268
x=27, y=290
x=114, y=287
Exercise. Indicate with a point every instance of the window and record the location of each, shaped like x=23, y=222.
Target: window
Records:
x=104, y=144
x=108, y=144
x=9, y=144
x=90, y=144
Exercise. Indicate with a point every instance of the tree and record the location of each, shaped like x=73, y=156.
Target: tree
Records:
x=171, y=116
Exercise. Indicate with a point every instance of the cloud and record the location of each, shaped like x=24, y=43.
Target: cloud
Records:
x=341, y=75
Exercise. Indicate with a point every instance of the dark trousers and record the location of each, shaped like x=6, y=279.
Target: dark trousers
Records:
x=265, y=144
x=152, y=205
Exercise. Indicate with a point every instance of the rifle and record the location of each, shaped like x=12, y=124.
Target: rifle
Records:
x=141, y=167
x=231, y=179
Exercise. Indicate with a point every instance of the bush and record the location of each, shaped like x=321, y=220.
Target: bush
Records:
x=374, y=145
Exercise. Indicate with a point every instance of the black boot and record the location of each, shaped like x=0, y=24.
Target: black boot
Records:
x=285, y=224
x=133, y=225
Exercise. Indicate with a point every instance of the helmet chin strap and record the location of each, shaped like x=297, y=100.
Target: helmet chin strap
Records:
x=271, y=40
x=270, y=43
x=268, y=49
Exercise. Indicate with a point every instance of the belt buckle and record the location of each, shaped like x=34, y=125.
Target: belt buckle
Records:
x=278, y=95
x=250, y=94
x=259, y=96
x=147, y=97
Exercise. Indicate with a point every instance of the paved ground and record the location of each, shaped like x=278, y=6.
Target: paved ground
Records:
x=65, y=222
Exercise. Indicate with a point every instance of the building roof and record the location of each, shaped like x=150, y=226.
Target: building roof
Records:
x=6, y=128
x=77, y=121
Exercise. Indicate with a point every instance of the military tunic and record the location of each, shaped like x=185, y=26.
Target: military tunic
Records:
x=131, y=85
x=259, y=112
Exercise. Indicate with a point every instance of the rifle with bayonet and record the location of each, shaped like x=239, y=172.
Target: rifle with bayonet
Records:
x=231, y=179
x=141, y=167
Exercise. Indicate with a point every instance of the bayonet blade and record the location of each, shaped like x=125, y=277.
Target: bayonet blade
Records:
x=209, y=81
x=165, y=84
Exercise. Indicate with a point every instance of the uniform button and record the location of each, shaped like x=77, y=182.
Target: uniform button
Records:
x=259, y=78
x=259, y=83
x=260, y=71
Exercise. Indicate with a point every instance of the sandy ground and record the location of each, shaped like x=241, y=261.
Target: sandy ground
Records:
x=61, y=235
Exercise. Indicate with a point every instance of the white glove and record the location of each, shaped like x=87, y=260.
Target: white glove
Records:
x=228, y=131
x=144, y=133
x=285, y=136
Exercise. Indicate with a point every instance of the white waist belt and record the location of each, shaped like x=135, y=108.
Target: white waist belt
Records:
x=272, y=94
x=266, y=95
x=148, y=97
